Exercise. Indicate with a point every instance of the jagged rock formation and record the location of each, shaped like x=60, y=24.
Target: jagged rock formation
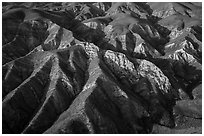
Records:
x=101, y=67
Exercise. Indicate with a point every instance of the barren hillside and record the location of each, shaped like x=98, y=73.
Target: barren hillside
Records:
x=101, y=67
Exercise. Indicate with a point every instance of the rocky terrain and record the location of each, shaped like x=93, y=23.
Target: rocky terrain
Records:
x=102, y=67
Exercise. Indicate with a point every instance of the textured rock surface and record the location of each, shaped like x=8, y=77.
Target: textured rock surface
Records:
x=101, y=67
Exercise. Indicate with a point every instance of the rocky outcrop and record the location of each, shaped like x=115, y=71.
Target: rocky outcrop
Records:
x=99, y=106
x=144, y=79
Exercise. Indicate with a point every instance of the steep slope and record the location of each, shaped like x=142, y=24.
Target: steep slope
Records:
x=100, y=67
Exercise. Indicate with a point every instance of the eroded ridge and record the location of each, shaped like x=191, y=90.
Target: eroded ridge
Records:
x=101, y=67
